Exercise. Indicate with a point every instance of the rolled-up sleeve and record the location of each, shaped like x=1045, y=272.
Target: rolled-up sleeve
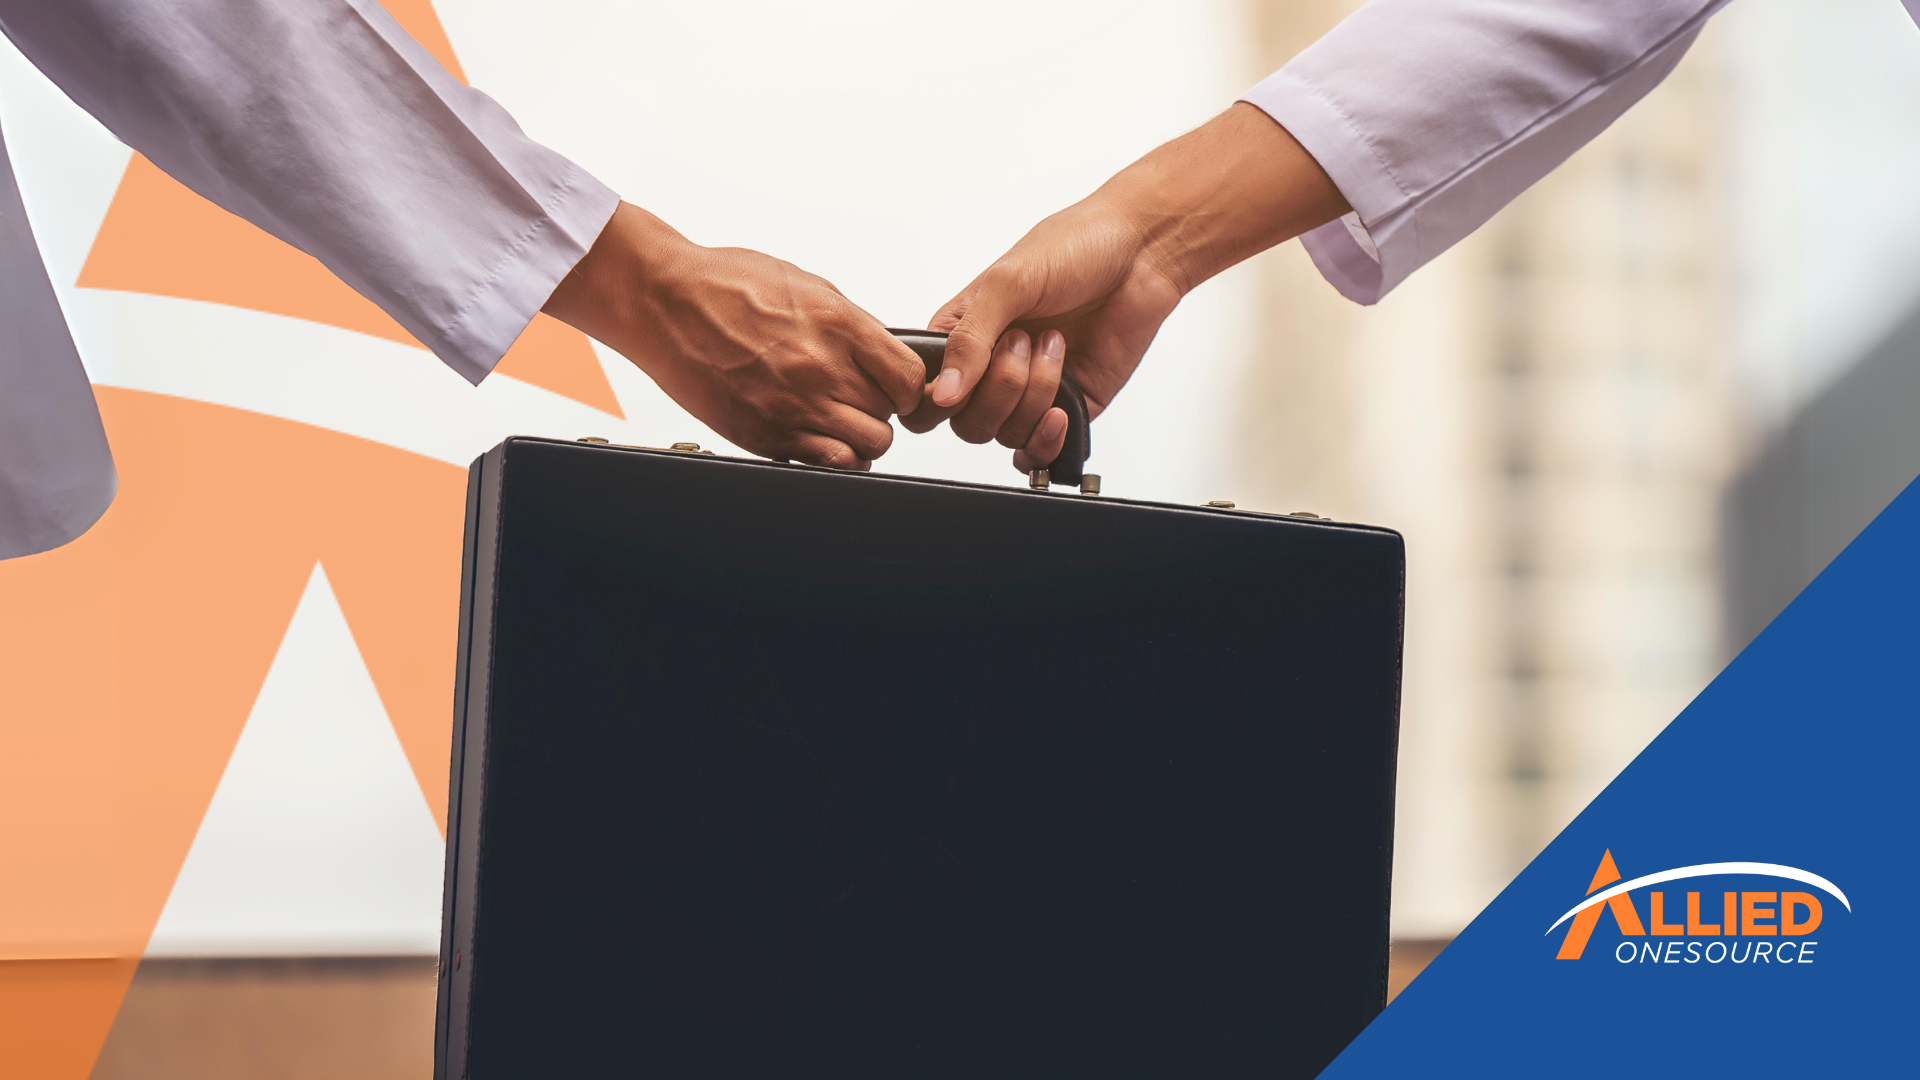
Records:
x=324, y=123
x=1431, y=115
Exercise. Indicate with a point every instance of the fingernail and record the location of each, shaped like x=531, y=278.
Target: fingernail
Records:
x=946, y=388
x=1052, y=425
x=1054, y=344
x=1020, y=343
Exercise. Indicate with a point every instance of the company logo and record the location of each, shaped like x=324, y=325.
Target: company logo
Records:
x=1758, y=927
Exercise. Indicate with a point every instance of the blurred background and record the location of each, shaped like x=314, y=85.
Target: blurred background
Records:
x=1620, y=427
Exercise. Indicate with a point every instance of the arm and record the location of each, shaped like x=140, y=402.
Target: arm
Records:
x=1384, y=143
x=56, y=473
x=1095, y=281
x=324, y=123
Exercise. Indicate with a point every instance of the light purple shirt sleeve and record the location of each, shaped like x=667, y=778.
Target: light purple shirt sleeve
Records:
x=56, y=473
x=1431, y=115
x=324, y=123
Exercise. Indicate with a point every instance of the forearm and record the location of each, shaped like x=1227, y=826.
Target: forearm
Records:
x=1219, y=194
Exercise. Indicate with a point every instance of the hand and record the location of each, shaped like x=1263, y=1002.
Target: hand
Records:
x=1084, y=284
x=1097, y=279
x=771, y=357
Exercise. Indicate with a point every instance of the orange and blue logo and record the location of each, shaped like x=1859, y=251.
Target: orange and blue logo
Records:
x=1740, y=927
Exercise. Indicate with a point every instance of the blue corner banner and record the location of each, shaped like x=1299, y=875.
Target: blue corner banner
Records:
x=1741, y=899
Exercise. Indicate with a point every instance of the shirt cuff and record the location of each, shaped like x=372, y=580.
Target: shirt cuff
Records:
x=528, y=272
x=1351, y=253
x=1340, y=252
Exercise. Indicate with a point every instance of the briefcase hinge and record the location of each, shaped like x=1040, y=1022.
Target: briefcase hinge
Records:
x=681, y=447
x=1042, y=479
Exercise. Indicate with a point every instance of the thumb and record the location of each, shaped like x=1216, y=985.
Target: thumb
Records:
x=977, y=317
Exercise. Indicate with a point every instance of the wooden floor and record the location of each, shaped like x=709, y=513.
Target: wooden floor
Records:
x=1410, y=957
x=325, y=1019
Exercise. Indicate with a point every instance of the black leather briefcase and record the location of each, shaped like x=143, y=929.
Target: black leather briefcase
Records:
x=766, y=770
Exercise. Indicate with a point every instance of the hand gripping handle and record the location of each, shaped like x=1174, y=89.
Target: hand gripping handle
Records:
x=1068, y=468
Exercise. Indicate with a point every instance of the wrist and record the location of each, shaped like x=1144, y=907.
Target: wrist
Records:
x=607, y=293
x=1232, y=188
x=1162, y=226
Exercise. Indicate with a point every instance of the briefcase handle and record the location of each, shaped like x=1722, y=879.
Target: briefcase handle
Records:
x=1070, y=467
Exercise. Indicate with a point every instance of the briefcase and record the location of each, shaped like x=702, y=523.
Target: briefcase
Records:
x=769, y=770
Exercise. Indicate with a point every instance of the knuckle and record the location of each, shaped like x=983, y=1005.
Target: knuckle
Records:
x=869, y=440
x=979, y=335
x=822, y=308
x=969, y=335
x=1004, y=380
x=910, y=367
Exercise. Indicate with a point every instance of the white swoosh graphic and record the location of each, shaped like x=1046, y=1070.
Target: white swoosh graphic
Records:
x=1702, y=870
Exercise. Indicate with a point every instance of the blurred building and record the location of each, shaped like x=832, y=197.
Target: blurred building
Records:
x=1827, y=297
x=1545, y=413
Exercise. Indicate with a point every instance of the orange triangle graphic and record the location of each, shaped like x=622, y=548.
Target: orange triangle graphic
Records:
x=161, y=239
x=1606, y=874
x=130, y=659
